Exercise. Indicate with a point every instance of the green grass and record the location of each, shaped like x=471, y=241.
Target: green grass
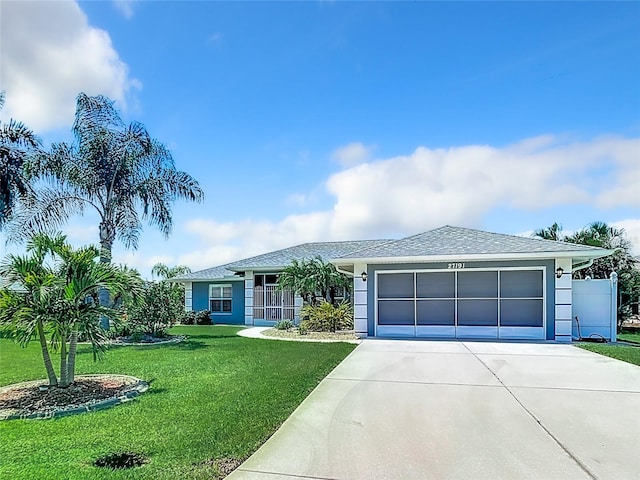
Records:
x=215, y=395
x=625, y=353
x=630, y=335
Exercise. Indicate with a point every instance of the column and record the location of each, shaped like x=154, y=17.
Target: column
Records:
x=563, y=306
x=360, y=322
x=248, y=298
x=188, y=296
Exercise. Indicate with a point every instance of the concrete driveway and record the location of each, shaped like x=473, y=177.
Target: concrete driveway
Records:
x=461, y=410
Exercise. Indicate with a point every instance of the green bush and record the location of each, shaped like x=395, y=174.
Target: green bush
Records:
x=302, y=329
x=188, y=317
x=203, y=317
x=325, y=317
x=284, y=325
x=159, y=308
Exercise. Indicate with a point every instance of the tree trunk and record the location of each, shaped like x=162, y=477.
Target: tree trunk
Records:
x=63, y=362
x=107, y=236
x=71, y=361
x=53, y=380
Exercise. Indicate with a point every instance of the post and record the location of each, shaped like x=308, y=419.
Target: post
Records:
x=614, y=305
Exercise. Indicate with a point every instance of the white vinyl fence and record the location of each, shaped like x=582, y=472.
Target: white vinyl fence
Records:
x=595, y=305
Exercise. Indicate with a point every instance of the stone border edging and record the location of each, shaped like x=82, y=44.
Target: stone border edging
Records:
x=256, y=332
x=139, y=387
x=176, y=339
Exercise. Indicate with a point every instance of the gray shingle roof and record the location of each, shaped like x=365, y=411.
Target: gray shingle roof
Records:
x=281, y=258
x=450, y=240
x=214, y=273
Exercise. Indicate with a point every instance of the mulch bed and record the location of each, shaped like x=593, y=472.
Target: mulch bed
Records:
x=29, y=399
x=149, y=340
x=293, y=334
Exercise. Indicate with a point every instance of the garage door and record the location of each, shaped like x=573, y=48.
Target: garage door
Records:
x=500, y=303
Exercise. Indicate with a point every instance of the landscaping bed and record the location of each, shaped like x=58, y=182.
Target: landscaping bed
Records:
x=294, y=334
x=37, y=400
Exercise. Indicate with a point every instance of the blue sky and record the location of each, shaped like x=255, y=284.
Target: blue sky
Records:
x=308, y=121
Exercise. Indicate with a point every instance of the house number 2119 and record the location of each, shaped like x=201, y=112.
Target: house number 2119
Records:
x=455, y=265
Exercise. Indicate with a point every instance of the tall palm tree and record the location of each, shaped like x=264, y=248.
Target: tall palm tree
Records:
x=116, y=169
x=16, y=142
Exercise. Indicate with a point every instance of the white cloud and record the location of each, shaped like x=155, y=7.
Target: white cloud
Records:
x=50, y=53
x=433, y=187
x=125, y=7
x=352, y=154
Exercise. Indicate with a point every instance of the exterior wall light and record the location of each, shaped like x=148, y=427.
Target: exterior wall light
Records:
x=364, y=276
x=559, y=272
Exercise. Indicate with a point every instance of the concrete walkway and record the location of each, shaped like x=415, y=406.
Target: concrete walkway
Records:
x=461, y=410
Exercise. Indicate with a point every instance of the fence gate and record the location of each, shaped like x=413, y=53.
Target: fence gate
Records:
x=595, y=304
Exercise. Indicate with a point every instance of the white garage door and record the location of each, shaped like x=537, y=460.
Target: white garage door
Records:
x=498, y=303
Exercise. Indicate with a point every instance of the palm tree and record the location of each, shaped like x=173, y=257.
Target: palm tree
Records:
x=165, y=272
x=118, y=170
x=309, y=277
x=600, y=234
x=554, y=232
x=297, y=277
x=66, y=282
x=16, y=142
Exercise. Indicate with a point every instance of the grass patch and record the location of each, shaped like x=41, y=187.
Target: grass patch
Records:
x=214, y=396
x=630, y=335
x=621, y=352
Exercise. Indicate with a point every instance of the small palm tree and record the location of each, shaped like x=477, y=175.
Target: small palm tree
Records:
x=61, y=285
x=16, y=142
x=165, y=272
x=310, y=277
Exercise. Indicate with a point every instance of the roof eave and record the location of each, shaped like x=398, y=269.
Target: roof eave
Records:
x=586, y=254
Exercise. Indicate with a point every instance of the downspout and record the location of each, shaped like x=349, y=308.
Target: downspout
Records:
x=345, y=272
x=582, y=266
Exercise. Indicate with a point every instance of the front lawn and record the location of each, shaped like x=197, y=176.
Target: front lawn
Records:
x=215, y=395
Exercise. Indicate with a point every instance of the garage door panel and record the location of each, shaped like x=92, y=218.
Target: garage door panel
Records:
x=521, y=283
x=436, y=285
x=436, y=312
x=396, y=312
x=478, y=312
x=436, y=331
x=477, y=284
x=395, y=285
x=521, y=313
x=520, y=333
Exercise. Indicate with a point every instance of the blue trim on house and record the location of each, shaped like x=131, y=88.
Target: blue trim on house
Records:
x=200, y=301
x=550, y=294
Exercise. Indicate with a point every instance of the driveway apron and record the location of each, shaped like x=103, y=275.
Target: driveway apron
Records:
x=396, y=409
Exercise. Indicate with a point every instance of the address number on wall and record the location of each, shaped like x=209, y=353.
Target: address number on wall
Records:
x=455, y=265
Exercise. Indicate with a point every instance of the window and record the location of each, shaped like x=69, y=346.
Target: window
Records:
x=220, y=298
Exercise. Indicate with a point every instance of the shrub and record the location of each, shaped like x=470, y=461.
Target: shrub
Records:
x=160, y=307
x=326, y=317
x=284, y=325
x=302, y=329
x=188, y=318
x=203, y=317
